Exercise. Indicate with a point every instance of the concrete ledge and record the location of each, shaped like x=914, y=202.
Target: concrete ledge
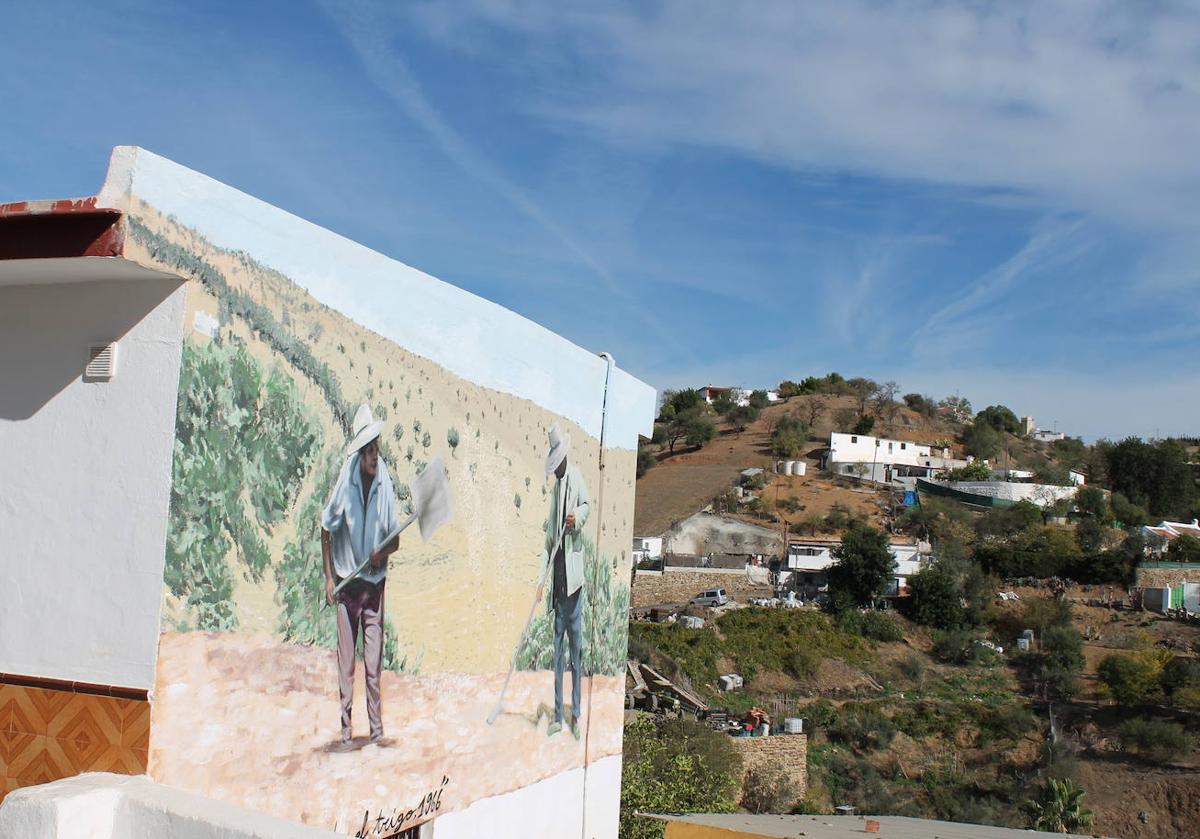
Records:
x=100, y=805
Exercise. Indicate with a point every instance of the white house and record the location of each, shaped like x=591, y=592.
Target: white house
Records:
x=1161, y=535
x=1042, y=435
x=647, y=547
x=810, y=559
x=883, y=460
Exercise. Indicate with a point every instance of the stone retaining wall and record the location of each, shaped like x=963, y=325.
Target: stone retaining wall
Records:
x=1160, y=577
x=681, y=586
x=788, y=752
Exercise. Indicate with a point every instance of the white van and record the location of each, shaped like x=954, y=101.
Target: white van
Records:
x=711, y=597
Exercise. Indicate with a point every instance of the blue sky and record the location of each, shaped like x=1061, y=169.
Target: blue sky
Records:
x=1000, y=200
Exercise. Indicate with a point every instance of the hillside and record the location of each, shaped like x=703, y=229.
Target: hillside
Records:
x=902, y=720
x=688, y=479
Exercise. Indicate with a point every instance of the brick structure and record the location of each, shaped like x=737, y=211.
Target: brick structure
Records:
x=682, y=586
x=788, y=752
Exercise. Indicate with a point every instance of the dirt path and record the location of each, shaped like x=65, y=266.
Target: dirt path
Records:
x=250, y=721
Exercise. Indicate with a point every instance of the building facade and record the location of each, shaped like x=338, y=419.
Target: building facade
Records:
x=188, y=375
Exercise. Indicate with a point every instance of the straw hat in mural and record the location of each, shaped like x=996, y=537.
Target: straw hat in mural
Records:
x=560, y=444
x=365, y=428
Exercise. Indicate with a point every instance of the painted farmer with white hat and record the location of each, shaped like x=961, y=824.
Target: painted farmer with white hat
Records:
x=361, y=512
x=564, y=553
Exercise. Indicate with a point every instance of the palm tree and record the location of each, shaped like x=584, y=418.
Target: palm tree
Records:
x=1058, y=807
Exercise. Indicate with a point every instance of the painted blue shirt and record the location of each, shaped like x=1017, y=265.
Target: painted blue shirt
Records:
x=355, y=527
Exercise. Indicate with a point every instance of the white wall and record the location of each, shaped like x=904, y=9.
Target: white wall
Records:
x=547, y=808
x=1042, y=495
x=86, y=468
x=862, y=448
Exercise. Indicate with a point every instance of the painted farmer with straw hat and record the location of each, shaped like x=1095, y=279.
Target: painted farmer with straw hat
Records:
x=360, y=513
x=564, y=554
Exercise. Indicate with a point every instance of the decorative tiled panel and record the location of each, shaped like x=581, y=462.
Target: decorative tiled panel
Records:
x=47, y=734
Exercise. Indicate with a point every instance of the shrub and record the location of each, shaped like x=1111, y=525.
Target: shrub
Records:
x=767, y=790
x=674, y=766
x=803, y=664
x=1157, y=740
x=863, y=727
x=1004, y=722
x=958, y=647
x=873, y=625
x=1129, y=679
x=821, y=713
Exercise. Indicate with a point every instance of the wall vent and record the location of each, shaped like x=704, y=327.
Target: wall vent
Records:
x=102, y=362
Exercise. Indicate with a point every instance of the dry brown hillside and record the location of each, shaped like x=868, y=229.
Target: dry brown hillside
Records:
x=689, y=479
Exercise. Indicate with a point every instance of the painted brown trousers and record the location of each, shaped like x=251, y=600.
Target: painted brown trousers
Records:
x=360, y=603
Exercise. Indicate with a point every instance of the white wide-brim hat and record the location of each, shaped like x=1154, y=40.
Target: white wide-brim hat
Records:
x=364, y=429
x=560, y=444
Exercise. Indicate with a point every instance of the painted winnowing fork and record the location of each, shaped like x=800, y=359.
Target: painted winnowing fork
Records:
x=431, y=509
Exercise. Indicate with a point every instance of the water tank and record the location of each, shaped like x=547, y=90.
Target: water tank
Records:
x=799, y=467
x=793, y=725
x=788, y=466
x=781, y=467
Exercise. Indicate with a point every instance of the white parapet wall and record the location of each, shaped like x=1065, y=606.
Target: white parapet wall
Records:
x=101, y=805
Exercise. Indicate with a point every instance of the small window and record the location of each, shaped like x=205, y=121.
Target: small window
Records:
x=853, y=439
x=903, y=446
x=889, y=448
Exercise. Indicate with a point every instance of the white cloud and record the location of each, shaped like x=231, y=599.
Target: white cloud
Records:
x=1089, y=106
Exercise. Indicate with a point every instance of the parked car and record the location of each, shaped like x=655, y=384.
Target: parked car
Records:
x=711, y=597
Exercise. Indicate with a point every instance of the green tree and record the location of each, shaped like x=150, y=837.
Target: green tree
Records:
x=1070, y=451
x=741, y=415
x=865, y=424
x=789, y=437
x=923, y=405
x=862, y=390
x=864, y=568
x=1130, y=680
x=680, y=402
x=1091, y=500
x=999, y=417
x=646, y=461
x=1128, y=513
x=982, y=440
x=935, y=599
x=674, y=766
x=1061, y=662
x=758, y=399
x=1057, y=807
x=958, y=406
x=1184, y=549
x=1004, y=523
x=691, y=425
x=976, y=470
x=1089, y=533
x=1154, y=475
x=787, y=389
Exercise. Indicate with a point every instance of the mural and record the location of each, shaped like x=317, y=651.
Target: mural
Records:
x=323, y=660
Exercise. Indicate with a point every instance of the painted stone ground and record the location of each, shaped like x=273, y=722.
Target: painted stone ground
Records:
x=247, y=720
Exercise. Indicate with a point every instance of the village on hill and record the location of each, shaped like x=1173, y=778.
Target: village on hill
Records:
x=887, y=603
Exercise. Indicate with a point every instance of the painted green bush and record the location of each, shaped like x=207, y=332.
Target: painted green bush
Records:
x=243, y=442
x=605, y=622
